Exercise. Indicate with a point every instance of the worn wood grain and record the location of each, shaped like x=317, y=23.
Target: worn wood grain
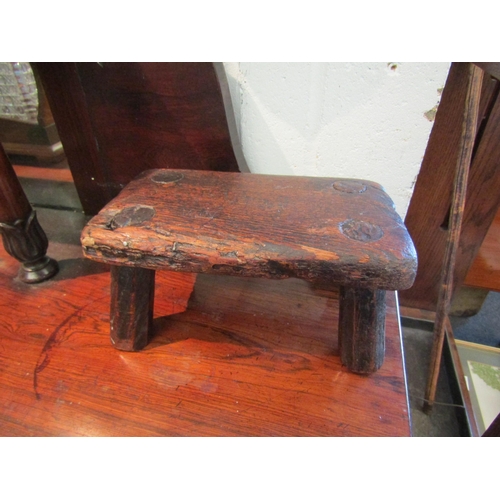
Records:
x=246, y=358
x=322, y=230
x=132, y=301
x=466, y=145
x=483, y=195
x=362, y=329
x=427, y=218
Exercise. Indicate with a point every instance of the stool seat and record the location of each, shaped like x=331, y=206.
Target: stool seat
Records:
x=342, y=231
x=327, y=231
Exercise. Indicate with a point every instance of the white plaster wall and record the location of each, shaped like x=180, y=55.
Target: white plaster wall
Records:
x=360, y=120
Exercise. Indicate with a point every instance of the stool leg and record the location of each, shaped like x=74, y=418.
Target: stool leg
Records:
x=132, y=299
x=362, y=329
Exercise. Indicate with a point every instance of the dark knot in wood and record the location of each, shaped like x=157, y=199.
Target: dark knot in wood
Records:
x=132, y=216
x=360, y=230
x=167, y=177
x=350, y=186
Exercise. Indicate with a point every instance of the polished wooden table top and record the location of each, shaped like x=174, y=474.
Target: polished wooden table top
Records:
x=237, y=357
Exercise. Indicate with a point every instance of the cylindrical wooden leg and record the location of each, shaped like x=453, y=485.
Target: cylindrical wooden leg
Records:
x=22, y=235
x=132, y=299
x=362, y=329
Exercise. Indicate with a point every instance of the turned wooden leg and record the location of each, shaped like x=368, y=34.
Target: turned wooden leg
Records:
x=132, y=299
x=362, y=329
x=22, y=235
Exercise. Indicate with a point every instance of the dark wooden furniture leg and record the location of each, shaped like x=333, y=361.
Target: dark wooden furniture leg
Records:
x=22, y=235
x=362, y=329
x=455, y=227
x=132, y=299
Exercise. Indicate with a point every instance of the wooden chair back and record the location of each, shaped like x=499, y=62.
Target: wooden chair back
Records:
x=116, y=120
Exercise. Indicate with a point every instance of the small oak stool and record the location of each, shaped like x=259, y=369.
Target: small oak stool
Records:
x=325, y=231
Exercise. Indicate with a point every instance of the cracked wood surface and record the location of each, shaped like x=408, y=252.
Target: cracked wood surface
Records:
x=321, y=230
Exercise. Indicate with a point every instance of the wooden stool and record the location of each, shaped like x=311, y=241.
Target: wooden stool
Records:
x=326, y=231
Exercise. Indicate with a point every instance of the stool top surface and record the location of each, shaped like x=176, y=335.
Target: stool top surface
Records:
x=344, y=231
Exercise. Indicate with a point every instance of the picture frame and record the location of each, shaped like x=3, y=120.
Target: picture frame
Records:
x=480, y=365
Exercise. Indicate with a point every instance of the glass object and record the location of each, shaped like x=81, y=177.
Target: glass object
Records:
x=18, y=92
